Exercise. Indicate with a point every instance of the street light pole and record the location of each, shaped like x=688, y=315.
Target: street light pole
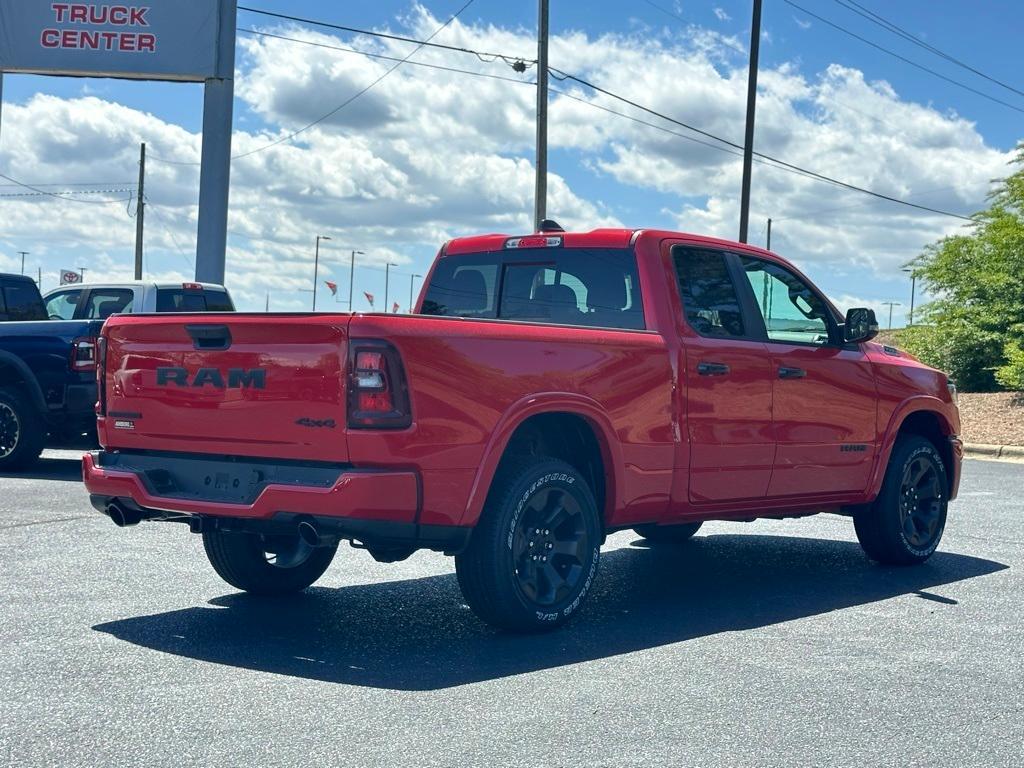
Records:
x=913, y=291
x=23, y=255
x=748, y=143
x=768, y=247
x=387, y=275
x=316, y=266
x=352, y=277
x=890, y=305
x=412, y=280
x=540, y=201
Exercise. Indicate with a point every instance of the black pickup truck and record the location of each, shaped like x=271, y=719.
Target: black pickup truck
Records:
x=47, y=374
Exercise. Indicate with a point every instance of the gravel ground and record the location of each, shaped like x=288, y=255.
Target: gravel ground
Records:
x=995, y=418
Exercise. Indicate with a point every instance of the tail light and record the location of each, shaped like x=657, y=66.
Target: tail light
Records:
x=101, y=376
x=378, y=394
x=83, y=355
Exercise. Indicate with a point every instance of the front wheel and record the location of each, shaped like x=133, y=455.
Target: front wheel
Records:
x=906, y=521
x=266, y=565
x=535, y=550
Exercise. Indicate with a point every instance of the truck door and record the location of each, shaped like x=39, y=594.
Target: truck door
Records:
x=728, y=388
x=824, y=397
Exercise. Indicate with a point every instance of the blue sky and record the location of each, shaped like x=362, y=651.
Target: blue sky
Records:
x=984, y=35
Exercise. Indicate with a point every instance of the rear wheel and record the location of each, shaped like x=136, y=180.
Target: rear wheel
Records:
x=535, y=550
x=668, y=534
x=22, y=432
x=266, y=565
x=905, y=524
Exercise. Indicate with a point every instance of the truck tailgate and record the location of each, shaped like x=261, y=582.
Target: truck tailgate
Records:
x=244, y=385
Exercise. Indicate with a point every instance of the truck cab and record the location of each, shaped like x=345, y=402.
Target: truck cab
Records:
x=549, y=389
x=101, y=300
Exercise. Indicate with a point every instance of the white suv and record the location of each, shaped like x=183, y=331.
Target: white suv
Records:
x=101, y=300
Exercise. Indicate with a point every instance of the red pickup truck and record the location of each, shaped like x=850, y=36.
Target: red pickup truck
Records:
x=548, y=390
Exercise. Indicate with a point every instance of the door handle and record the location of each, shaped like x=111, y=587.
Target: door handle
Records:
x=712, y=369
x=791, y=373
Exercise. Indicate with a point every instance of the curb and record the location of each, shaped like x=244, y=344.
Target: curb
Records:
x=994, y=452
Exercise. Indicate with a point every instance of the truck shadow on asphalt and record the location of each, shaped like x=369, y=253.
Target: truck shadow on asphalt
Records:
x=418, y=634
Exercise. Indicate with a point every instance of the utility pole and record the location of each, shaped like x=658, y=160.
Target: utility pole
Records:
x=412, y=280
x=140, y=212
x=769, y=246
x=81, y=271
x=23, y=255
x=352, y=277
x=890, y=305
x=913, y=291
x=267, y=307
x=39, y=279
x=316, y=266
x=387, y=275
x=748, y=142
x=540, y=198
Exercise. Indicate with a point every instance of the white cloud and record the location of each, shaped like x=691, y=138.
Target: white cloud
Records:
x=722, y=15
x=802, y=23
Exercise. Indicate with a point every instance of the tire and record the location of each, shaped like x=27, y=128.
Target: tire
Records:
x=668, y=534
x=538, y=508
x=22, y=431
x=248, y=561
x=905, y=523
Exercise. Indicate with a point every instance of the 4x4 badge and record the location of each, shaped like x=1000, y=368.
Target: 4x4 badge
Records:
x=328, y=423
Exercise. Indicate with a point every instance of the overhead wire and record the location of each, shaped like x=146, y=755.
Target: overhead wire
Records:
x=59, y=195
x=874, y=18
x=722, y=145
x=350, y=99
x=902, y=58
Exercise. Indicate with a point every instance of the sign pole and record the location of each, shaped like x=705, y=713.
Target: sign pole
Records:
x=215, y=173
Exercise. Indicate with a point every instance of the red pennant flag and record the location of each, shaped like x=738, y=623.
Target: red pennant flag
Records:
x=369, y=298
x=394, y=309
x=333, y=287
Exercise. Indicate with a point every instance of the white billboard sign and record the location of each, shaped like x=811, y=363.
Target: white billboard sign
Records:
x=155, y=40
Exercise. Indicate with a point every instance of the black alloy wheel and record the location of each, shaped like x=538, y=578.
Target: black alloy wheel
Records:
x=550, y=546
x=921, y=503
x=10, y=430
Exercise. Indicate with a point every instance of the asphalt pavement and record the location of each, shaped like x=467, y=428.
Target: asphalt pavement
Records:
x=767, y=643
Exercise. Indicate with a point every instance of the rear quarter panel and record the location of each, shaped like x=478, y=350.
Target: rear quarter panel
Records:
x=473, y=382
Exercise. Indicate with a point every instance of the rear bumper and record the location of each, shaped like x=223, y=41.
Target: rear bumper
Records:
x=366, y=494
x=373, y=507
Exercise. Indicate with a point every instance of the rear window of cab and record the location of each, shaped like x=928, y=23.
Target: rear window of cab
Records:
x=591, y=287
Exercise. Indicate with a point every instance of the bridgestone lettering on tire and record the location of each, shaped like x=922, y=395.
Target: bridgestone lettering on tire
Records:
x=535, y=551
x=905, y=524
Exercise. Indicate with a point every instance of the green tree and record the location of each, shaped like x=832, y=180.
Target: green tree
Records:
x=975, y=328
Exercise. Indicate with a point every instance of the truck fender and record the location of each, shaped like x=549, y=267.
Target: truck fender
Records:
x=899, y=415
x=533, y=405
x=25, y=377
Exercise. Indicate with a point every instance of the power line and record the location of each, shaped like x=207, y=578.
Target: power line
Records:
x=561, y=75
x=67, y=192
x=482, y=55
x=153, y=208
x=722, y=38
x=59, y=195
x=382, y=56
x=874, y=18
x=904, y=59
x=358, y=93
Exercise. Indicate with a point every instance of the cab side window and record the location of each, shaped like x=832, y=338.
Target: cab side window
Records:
x=62, y=306
x=104, y=302
x=793, y=313
x=710, y=301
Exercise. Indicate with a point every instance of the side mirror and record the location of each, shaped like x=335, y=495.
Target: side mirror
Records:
x=860, y=325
